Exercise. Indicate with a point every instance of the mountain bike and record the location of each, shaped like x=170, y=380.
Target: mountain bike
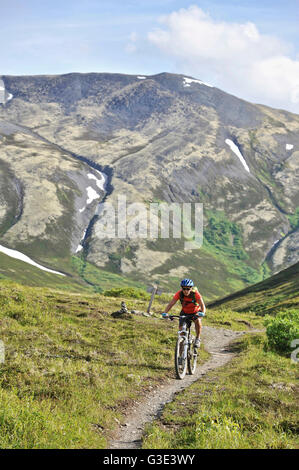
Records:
x=185, y=352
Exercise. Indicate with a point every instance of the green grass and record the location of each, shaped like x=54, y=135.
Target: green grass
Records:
x=128, y=292
x=294, y=219
x=227, y=318
x=272, y=295
x=224, y=240
x=250, y=403
x=81, y=275
x=102, y=279
x=71, y=370
x=27, y=274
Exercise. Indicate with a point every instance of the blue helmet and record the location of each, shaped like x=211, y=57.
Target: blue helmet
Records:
x=187, y=283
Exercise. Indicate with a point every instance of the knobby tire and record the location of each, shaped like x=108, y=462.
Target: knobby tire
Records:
x=180, y=368
x=192, y=359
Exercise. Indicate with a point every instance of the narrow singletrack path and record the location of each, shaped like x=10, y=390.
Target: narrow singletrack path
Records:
x=216, y=342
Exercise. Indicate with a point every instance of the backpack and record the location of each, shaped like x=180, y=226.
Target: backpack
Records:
x=192, y=295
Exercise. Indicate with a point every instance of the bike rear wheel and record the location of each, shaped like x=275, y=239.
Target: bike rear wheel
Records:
x=180, y=363
x=192, y=358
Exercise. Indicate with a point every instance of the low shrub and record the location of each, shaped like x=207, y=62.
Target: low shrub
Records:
x=282, y=330
x=127, y=292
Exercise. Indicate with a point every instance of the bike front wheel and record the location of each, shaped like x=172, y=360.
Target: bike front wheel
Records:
x=180, y=362
x=192, y=358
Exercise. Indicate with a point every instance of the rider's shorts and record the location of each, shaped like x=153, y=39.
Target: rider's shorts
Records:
x=188, y=321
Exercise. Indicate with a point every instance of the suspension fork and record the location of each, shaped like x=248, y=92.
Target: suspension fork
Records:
x=185, y=334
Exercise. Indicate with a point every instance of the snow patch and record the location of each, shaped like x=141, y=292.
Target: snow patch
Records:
x=80, y=246
x=141, y=78
x=2, y=92
x=188, y=81
x=4, y=97
x=101, y=183
x=84, y=234
x=289, y=146
x=20, y=256
x=91, y=195
x=236, y=150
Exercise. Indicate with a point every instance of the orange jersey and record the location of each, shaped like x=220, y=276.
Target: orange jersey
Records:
x=188, y=305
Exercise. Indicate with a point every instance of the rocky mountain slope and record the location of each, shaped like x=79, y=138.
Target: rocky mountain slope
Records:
x=157, y=138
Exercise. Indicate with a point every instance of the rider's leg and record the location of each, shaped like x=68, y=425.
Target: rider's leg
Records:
x=198, y=327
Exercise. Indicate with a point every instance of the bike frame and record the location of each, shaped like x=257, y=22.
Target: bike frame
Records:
x=185, y=333
x=186, y=354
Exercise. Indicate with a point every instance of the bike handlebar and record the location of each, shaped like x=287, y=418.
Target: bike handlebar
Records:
x=190, y=315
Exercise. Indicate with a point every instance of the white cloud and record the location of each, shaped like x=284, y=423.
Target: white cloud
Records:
x=235, y=57
x=133, y=36
x=130, y=48
x=278, y=77
x=131, y=45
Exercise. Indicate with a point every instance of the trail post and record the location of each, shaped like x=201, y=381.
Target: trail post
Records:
x=155, y=291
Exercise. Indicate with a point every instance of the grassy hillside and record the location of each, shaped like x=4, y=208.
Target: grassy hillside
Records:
x=71, y=369
x=220, y=266
x=80, y=276
x=252, y=401
x=29, y=275
x=269, y=296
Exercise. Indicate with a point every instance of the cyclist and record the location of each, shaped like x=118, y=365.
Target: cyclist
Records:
x=192, y=303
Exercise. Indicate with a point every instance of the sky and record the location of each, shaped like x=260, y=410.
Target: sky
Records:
x=249, y=48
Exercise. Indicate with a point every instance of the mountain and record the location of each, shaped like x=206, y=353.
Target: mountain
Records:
x=276, y=293
x=68, y=142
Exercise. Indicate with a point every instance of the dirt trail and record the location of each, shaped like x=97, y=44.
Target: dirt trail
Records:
x=216, y=342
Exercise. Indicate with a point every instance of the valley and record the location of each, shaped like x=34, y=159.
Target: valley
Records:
x=160, y=139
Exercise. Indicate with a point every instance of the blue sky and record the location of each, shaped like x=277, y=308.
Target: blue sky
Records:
x=248, y=48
